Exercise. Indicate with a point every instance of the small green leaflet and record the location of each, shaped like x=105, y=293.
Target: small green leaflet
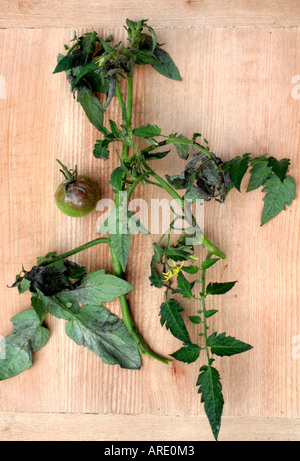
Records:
x=208, y=263
x=223, y=345
x=279, y=167
x=173, y=321
x=188, y=353
x=260, y=172
x=147, y=131
x=156, y=279
x=211, y=390
x=121, y=247
x=184, y=286
x=165, y=64
x=219, y=288
x=116, y=179
x=104, y=334
x=97, y=287
x=236, y=168
x=28, y=337
x=68, y=62
x=91, y=106
x=100, y=149
x=121, y=224
x=278, y=195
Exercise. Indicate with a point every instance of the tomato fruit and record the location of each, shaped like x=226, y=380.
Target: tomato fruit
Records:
x=77, y=195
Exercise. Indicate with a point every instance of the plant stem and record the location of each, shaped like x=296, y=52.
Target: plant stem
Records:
x=203, y=297
x=87, y=245
x=127, y=317
x=126, y=314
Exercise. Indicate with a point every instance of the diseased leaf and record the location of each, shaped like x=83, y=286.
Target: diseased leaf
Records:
x=279, y=194
x=236, y=168
x=188, y=353
x=182, y=144
x=219, y=288
x=28, y=337
x=104, y=334
x=173, y=321
x=223, y=345
x=211, y=390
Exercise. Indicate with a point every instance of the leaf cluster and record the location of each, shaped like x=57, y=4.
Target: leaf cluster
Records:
x=171, y=316
x=63, y=289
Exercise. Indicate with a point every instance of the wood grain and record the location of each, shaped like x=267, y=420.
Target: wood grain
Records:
x=236, y=90
x=110, y=428
x=169, y=13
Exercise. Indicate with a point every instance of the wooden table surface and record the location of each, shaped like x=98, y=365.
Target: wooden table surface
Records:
x=240, y=66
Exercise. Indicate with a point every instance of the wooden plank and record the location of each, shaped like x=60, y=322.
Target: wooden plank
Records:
x=79, y=427
x=169, y=13
x=236, y=90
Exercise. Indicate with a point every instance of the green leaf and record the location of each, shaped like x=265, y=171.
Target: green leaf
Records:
x=114, y=128
x=173, y=321
x=97, y=287
x=190, y=269
x=147, y=131
x=279, y=167
x=68, y=62
x=91, y=106
x=28, y=337
x=156, y=279
x=236, y=168
x=211, y=390
x=278, y=195
x=116, y=179
x=260, y=172
x=121, y=245
x=219, y=288
x=223, y=345
x=24, y=286
x=155, y=155
x=144, y=57
x=104, y=334
x=100, y=149
x=195, y=319
x=184, y=286
x=208, y=263
x=210, y=313
x=166, y=65
x=177, y=254
x=188, y=353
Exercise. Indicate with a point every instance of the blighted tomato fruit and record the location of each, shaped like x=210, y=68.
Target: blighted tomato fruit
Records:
x=77, y=195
